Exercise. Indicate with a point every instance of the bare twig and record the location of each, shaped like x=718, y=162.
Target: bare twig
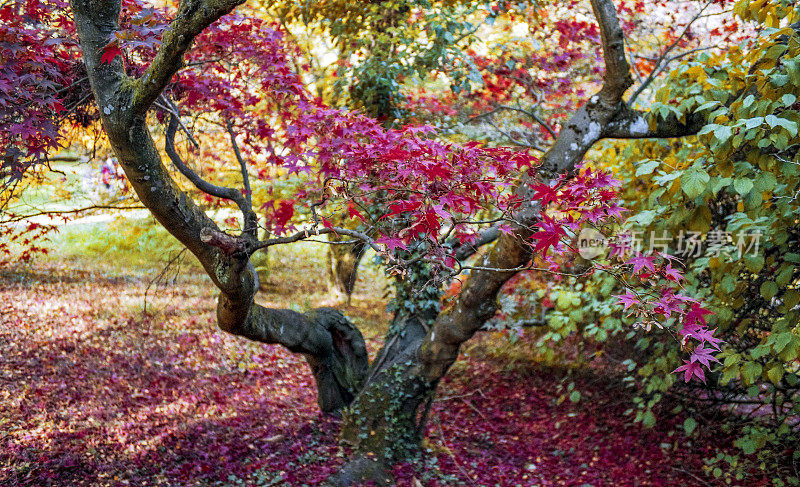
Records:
x=534, y=116
x=660, y=63
x=242, y=164
x=17, y=218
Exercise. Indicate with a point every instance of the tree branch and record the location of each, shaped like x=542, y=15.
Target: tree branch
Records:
x=199, y=183
x=18, y=218
x=468, y=249
x=192, y=18
x=617, y=77
x=476, y=302
x=170, y=107
x=535, y=117
x=304, y=234
x=242, y=164
x=242, y=201
x=633, y=124
x=658, y=68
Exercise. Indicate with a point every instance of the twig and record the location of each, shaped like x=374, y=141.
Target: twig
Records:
x=682, y=470
x=76, y=210
x=659, y=67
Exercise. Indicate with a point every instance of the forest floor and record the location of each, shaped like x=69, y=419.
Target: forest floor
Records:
x=94, y=390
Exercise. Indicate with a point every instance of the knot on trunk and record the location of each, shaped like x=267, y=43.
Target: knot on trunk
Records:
x=342, y=370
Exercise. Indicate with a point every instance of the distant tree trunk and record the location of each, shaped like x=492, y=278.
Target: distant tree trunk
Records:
x=343, y=262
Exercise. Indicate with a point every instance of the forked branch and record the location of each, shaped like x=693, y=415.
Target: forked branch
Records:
x=242, y=201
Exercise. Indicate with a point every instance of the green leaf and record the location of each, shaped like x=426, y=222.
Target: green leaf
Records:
x=648, y=419
x=754, y=263
x=752, y=123
x=709, y=104
x=781, y=340
x=693, y=181
x=575, y=396
x=689, y=425
x=760, y=351
x=728, y=284
x=765, y=182
x=769, y=289
x=775, y=374
x=789, y=125
x=722, y=133
x=791, y=298
x=728, y=375
x=785, y=275
x=790, y=351
x=643, y=218
x=647, y=168
x=742, y=186
x=750, y=371
x=747, y=445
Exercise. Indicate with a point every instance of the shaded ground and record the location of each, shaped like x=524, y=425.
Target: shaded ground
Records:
x=94, y=392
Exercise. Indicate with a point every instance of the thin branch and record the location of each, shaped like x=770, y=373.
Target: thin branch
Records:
x=175, y=112
x=242, y=164
x=660, y=63
x=304, y=234
x=69, y=212
x=534, y=116
x=199, y=183
x=514, y=140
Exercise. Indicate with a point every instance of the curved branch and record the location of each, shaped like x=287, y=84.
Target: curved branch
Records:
x=468, y=249
x=199, y=183
x=250, y=218
x=242, y=201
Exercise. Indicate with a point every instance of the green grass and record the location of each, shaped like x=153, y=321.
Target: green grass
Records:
x=121, y=246
x=142, y=248
x=59, y=189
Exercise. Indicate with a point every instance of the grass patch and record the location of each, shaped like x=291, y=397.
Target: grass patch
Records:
x=141, y=248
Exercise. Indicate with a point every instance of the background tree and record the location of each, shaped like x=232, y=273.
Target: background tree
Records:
x=378, y=47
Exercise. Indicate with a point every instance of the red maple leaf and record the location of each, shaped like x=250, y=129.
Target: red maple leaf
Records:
x=690, y=369
x=545, y=193
x=353, y=212
x=549, y=236
x=110, y=52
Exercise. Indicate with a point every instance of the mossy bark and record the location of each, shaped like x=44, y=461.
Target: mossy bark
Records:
x=385, y=422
